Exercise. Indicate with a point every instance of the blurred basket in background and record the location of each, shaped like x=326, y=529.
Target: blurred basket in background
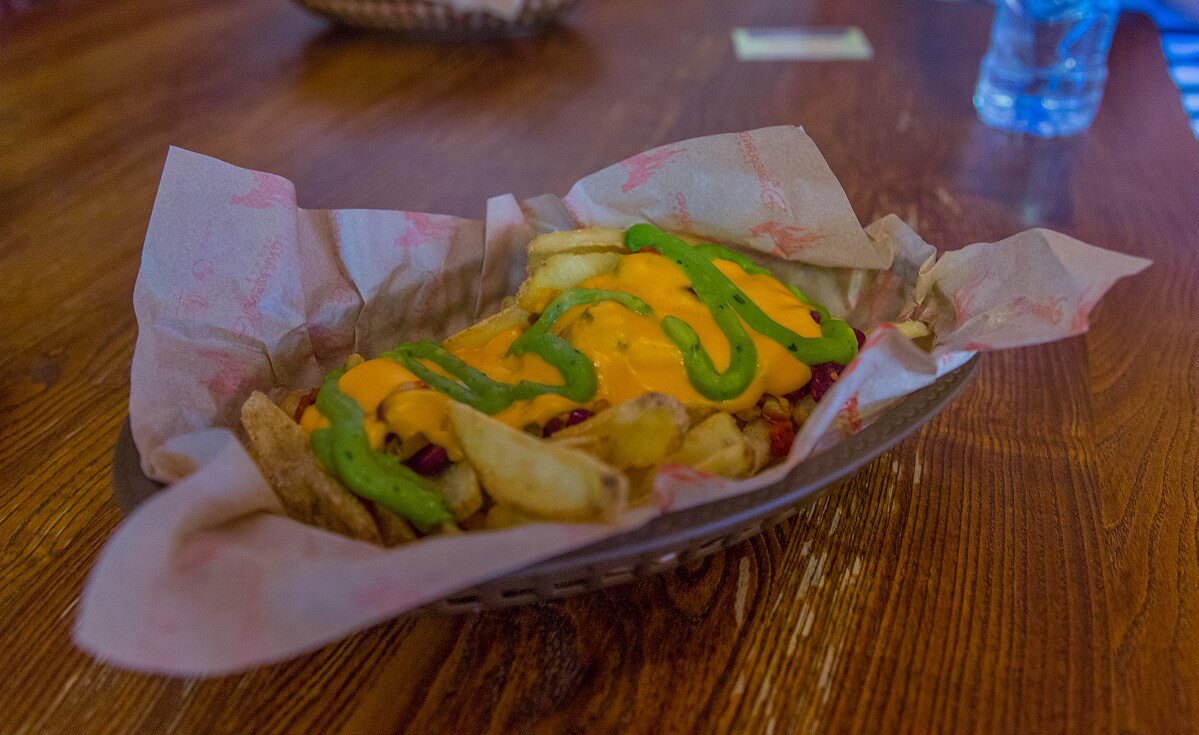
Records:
x=439, y=19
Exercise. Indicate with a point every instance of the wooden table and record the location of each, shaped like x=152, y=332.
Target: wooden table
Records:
x=1027, y=563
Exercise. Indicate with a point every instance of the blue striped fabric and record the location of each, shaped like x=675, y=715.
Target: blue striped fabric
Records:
x=1180, y=43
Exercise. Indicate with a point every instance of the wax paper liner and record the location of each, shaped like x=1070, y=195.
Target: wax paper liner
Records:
x=240, y=289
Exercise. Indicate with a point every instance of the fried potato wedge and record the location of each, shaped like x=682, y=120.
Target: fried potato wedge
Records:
x=558, y=273
x=716, y=445
x=395, y=530
x=757, y=437
x=504, y=515
x=459, y=485
x=802, y=410
x=306, y=491
x=919, y=332
x=584, y=241
x=543, y=479
x=697, y=413
x=913, y=329
x=482, y=332
x=640, y=432
x=287, y=399
x=575, y=242
x=641, y=483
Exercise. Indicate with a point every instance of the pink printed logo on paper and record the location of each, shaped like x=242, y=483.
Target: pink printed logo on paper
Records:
x=423, y=228
x=963, y=300
x=1079, y=322
x=789, y=240
x=1048, y=311
x=770, y=192
x=680, y=212
x=193, y=304
x=641, y=167
x=850, y=418
x=202, y=269
x=268, y=191
x=251, y=314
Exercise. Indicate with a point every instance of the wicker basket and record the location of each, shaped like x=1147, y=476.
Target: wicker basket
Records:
x=435, y=19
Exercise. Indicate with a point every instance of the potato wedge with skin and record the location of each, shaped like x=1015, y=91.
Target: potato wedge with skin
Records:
x=698, y=413
x=482, y=332
x=641, y=484
x=585, y=240
x=307, y=492
x=802, y=410
x=913, y=329
x=574, y=242
x=540, y=478
x=459, y=485
x=757, y=437
x=395, y=530
x=287, y=399
x=919, y=332
x=504, y=515
x=559, y=273
x=716, y=445
x=640, y=432
x=733, y=462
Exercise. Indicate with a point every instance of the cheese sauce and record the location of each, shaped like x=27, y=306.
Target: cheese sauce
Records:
x=630, y=352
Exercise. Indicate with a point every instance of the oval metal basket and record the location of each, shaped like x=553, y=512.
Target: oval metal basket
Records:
x=668, y=540
x=428, y=18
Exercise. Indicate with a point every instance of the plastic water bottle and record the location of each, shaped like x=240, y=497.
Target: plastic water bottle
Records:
x=1045, y=69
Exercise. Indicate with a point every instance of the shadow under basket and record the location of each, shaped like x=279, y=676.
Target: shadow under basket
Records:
x=427, y=19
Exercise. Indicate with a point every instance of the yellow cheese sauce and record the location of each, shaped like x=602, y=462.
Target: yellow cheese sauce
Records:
x=630, y=352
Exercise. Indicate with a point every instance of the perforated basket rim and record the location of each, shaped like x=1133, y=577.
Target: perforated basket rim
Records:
x=665, y=541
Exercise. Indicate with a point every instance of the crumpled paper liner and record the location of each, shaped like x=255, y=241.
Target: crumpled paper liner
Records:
x=240, y=289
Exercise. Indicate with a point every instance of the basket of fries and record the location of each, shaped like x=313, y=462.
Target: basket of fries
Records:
x=665, y=542
x=360, y=413
x=432, y=18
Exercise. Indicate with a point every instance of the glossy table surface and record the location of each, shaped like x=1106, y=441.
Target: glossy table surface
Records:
x=1029, y=562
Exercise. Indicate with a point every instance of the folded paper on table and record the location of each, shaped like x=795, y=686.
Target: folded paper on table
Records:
x=240, y=289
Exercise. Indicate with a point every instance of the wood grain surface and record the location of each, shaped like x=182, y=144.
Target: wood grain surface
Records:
x=1027, y=563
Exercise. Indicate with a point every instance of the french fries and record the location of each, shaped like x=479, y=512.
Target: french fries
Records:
x=483, y=473
x=575, y=242
x=306, y=491
x=757, y=437
x=459, y=485
x=480, y=332
x=717, y=446
x=580, y=242
x=543, y=479
x=635, y=434
x=394, y=530
x=559, y=272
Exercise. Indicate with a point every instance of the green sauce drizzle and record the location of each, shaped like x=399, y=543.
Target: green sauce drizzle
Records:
x=723, y=298
x=475, y=389
x=344, y=448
